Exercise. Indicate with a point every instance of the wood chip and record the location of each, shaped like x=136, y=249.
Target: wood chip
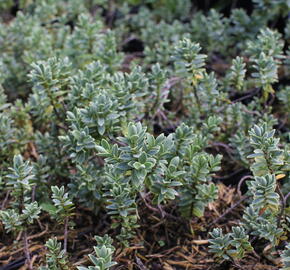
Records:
x=200, y=242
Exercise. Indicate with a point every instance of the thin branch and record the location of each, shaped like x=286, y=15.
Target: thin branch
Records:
x=252, y=93
x=65, y=234
x=229, y=210
x=228, y=149
x=236, y=264
x=243, y=179
x=286, y=197
x=220, y=144
x=148, y=205
x=228, y=176
x=283, y=204
x=159, y=210
x=33, y=193
x=26, y=250
x=164, y=117
x=5, y=199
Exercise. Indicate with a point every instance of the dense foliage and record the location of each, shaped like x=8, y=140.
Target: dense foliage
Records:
x=126, y=120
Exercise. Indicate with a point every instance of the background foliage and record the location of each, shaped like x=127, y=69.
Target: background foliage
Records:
x=152, y=125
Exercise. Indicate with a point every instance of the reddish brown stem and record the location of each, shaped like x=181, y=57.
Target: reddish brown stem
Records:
x=26, y=250
x=229, y=210
x=283, y=204
x=65, y=234
x=5, y=199
x=243, y=179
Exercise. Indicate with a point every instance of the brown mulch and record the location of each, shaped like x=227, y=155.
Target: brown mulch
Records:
x=169, y=243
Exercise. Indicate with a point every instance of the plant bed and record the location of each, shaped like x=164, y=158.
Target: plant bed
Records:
x=144, y=135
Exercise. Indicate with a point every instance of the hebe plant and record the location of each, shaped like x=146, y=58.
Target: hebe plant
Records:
x=24, y=211
x=231, y=246
x=55, y=258
x=158, y=165
x=103, y=252
x=286, y=258
x=237, y=73
x=264, y=216
x=123, y=112
x=267, y=154
x=63, y=209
